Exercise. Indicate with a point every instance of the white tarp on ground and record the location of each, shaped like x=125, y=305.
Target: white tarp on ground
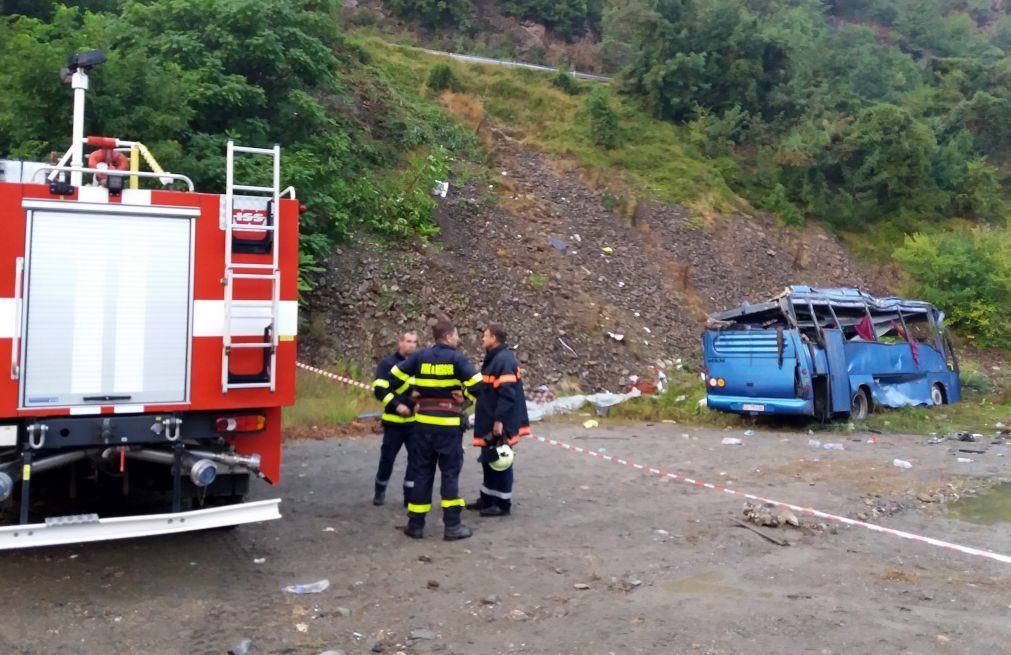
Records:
x=569, y=404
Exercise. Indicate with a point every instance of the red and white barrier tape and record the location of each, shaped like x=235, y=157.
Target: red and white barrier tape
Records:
x=804, y=510
x=334, y=376
x=968, y=550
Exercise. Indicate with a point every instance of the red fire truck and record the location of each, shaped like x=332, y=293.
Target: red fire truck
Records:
x=151, y=341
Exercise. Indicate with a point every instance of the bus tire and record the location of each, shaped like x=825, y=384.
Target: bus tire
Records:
x=860, y=405
x=937, y=395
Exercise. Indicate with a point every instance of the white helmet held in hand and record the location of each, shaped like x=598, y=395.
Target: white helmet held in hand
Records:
x=505, y=458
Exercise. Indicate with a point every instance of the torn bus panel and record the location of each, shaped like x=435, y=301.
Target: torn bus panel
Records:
x=824, y=352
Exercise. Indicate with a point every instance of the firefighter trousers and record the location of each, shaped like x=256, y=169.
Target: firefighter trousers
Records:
x=497, y=487
x=394, y=437
x=427, y=450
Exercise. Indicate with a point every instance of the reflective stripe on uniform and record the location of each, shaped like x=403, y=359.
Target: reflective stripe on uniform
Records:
x=382, y=483
x=408, y=484
x=388, y=397
x=437, y=383
x=474, y=380
x=448, y=421
x=419, y=509
x=512, y=441
x=395, y=371
x=381, y=383
x=504, y=495
x=480, y=442
x=397, y=418
x=500, y=380
x=455, y=502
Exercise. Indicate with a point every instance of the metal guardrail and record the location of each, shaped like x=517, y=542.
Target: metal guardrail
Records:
x=472, y=59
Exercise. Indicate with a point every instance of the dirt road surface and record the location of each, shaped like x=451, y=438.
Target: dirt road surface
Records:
x=597, y=558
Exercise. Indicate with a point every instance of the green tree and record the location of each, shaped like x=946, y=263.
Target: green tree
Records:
x=886, y=159
x=433, y=13
x=567, y=17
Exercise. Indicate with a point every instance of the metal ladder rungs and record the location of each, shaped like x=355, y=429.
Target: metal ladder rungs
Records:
x=265, y=310
x=254, y=188
x=254, y=276
x=243, y=227
x=236, y=265
x=253, y=151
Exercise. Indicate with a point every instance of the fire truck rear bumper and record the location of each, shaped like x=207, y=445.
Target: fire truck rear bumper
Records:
x=84, y=528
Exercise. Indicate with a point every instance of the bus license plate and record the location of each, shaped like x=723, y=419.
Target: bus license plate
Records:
x=752, y=408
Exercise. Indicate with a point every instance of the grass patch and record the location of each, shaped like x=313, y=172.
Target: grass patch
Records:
x=654, y=160
x=972, y=414
x=320, y=401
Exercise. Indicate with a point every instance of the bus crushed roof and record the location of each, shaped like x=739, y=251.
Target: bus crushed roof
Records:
x=802, y=304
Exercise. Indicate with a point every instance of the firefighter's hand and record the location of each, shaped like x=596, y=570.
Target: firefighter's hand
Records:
x=403, y=410
x=415, y=394
x=496, y=428
x=458, y=397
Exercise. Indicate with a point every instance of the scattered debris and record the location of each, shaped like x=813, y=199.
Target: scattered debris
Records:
x=582, y=586
x=608, y=249
x=433, y=584
x=259, y=560
x=314, y=588
x=769, y=515
x=616, y=337
x=591, y=424
x=302, y=627
x=730, y=441
x=422, y=635
x=424, y=558
x=518, y=615
x=244, y=647
x=491, y=600
x=567, y=347
x=902, y=464
x=680, y=399
x=775, y=540
x=558, y=244
x=963, y=460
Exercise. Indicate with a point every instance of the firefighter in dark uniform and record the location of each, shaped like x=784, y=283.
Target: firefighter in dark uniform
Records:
x=501, y=419
x=442, y=377
x=398, y=417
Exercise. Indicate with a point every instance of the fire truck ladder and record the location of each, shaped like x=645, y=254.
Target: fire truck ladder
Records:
x=252, y=308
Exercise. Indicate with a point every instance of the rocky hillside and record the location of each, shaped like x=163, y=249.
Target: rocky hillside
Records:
x=536, y=250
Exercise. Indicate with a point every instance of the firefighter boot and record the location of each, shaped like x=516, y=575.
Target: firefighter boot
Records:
x=478, y=505
x=458, y=531
x=415, y=526
x=379, y=498
x=494, y=511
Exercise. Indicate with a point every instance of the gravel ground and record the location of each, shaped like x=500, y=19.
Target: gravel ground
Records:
x=597, y=558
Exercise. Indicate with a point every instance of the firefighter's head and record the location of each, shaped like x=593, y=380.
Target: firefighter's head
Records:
x=445, y=332
x=493, y=337
x=408, y=343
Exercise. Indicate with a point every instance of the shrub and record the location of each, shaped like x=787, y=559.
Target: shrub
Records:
x=604, y=127
x=967, y=274
x=441, y=78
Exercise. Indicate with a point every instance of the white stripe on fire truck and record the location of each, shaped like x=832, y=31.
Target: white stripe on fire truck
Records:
x=209, y=318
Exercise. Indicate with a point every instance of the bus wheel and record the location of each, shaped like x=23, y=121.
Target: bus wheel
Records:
x=860, y=406
x=937, y=394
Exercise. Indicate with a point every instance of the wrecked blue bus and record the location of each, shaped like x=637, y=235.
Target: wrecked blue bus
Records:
x=826, y=353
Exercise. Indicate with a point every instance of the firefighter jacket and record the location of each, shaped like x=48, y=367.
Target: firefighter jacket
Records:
x=381, y=387
x=435, y=373
x=501, y=399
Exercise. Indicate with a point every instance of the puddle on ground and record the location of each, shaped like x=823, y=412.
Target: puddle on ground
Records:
x=703, y=583
x=991, y=507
